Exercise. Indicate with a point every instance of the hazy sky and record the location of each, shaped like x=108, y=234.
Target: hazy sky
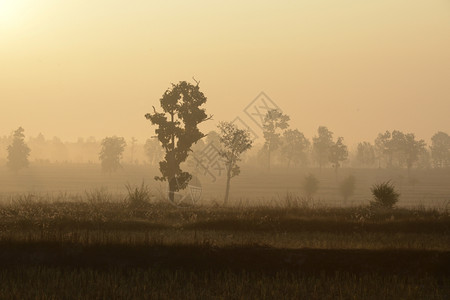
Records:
x=78, y=68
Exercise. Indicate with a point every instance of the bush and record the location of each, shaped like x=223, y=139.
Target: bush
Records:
x=347, y=187
x=310, y=185
x=98, y=196
x=384, y=195
x=138, y=196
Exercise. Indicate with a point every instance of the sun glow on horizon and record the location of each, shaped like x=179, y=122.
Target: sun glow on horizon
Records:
x=10, y=12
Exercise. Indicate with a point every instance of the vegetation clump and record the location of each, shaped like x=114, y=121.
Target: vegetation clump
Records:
x=347, y=187
x=310, y=185
x=384, y=194
x=138, y=195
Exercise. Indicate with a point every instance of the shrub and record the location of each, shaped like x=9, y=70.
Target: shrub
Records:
x=347, y=187
x=98, y=196
x=138, y=195
x=310, y=185
x=384, y=195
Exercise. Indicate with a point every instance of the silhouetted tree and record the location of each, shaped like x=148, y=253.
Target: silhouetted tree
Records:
x=412, y=149
x=274, y=121
x=338, y=154
x=440, y=149
x=213, y=137
x=177, y=131
x=294, y=147
x=18, y=151
x=233, y=142
x=399, y=149
x=365, y=154
x=321, y=145
x=383, y=149
x=111, y=153
x=132, y=148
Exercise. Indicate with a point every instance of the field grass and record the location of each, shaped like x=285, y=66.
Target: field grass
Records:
x=137, y=283
x=98, y=245
x=71, y=232
x=253, y=187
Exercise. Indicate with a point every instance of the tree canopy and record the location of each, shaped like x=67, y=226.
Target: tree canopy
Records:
x=177, y=130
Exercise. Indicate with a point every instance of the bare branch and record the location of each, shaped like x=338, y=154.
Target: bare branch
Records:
x=197, y=82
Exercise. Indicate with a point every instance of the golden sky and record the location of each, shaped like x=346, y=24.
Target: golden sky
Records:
x=78, y=68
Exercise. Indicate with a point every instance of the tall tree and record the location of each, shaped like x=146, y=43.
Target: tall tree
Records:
x=321, y=145
x=18, y=151
x=274, y=122
x=440, y=149
x=234, y=142
x=383, y=149
x=399, y=149
x=294, y=147
x=178, y=130
x=132, y=148
x=365, y=154
x=111, y=153
x=338, y=153
x=412, y=149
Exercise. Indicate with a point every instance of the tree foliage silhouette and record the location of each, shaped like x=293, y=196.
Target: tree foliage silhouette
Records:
x=338, y=153
x=233, y=142
x=440, y=149
x=274, y=121
x=321, y=145
x=111, y=153
x=399, y=149
x=178, y=130
x=365, y=154
x=18, y=151
x=294, y=147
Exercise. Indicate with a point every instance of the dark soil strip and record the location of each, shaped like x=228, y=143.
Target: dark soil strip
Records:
x=299, y=225
x=204, y=257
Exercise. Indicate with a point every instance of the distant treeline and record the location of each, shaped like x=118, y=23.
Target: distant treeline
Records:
x=391, y=149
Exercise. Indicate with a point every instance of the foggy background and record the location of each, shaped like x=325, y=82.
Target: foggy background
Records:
x=73, y=69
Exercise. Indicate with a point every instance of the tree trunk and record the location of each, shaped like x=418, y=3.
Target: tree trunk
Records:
x=172, y=185
x=336, y=172
x=227, y=189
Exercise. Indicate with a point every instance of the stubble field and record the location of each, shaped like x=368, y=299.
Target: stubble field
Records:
x=72, y=232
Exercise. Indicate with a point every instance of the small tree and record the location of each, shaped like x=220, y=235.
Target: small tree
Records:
x=133, y=145
x=111, y=153
x=294, y=147
x=178, y=130
x=365, y=154
x=18, y=151
x=338, y=153
x=234, y=142
x=383, y=149
x=274, y=121
x=440, y=149
x=384, y=195
x=412, y=149
x=310, y=185
x=321, y=145
x=347, y=187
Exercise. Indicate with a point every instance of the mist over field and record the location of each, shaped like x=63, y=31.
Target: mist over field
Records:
x=239, y=150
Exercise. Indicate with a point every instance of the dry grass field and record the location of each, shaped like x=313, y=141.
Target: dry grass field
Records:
x=72, y=232
x=255, y=186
